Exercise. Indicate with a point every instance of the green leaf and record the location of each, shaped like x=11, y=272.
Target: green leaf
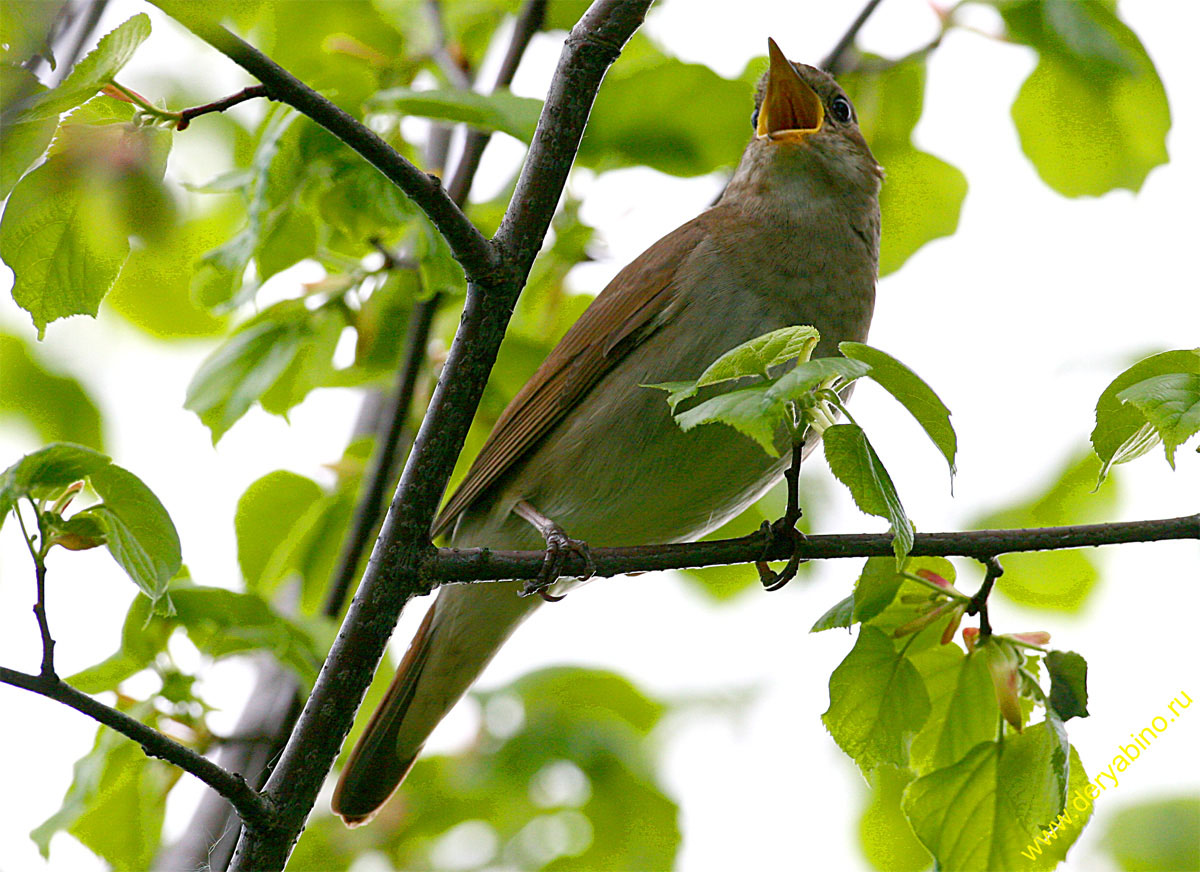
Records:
x=760, y=354
x=840, y=614
x=1004, y=794
x=1059, y=580
x=114, y=782
x=93, y=72
x=143, y=635
x=47, y=471
x=57, y=406
x=1122, y=431
x=239, y=372
x=923, y=195
x=1161, y=834
x=1093, y=114
x=266, y=514
x=963, y=707
x=855, y=464
x=21, y=142
x=912, y=392
x=312, y=364
x=222, y=623
x=1068, y=684
x=141, y=535
x=25, y=30
x=648, y=114
x=501, y=110
x=1171, y=404
x=877, y=702
x=750, y=411
x=798, y=381
x=888, y=841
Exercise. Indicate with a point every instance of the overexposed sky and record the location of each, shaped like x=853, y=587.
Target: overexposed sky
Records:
x=1019, y=321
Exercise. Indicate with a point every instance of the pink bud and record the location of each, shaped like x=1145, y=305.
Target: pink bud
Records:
x=1038, y=637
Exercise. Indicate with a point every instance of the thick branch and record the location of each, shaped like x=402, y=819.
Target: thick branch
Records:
x=470, y=248
x=250, y=805
x=394, y=574
x=475, y=564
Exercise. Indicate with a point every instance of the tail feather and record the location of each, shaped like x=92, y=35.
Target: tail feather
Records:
x=461, y=632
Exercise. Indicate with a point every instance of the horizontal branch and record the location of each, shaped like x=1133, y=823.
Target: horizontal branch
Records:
x=482, y=564
x=476, y=255
x=251, y=805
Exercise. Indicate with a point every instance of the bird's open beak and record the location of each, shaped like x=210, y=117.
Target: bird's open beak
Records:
x=790, y=108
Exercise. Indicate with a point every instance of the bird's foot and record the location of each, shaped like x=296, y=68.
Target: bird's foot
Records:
x=784, y=528
x=558, y=546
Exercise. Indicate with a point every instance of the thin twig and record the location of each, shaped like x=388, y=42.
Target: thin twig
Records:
x=481, y=564
x=250, y=93
x=978, y=605
x=474, y=253
x=38, y=553
x=833, y=60
x=252, y=806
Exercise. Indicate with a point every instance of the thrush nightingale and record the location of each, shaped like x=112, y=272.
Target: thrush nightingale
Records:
x=584, y=448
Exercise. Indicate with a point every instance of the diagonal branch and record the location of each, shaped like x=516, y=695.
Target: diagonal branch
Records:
x=834, y=61
x=252, y=806
x=470, y=248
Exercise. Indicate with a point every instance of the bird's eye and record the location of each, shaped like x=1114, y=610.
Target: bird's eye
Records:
x=841, y=110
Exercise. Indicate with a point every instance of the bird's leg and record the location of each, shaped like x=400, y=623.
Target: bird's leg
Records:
x=558, y=545
x=786, y=526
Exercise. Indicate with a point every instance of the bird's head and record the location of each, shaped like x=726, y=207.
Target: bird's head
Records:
x=806, y=132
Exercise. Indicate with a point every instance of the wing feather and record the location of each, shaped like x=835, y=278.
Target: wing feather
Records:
x=637, y=300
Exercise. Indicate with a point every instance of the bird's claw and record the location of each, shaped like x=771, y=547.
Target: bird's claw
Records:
x=783, y=528
x=558, y=546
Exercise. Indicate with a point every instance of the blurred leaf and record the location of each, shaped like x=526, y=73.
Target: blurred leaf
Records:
x=877, y=703
x=21, y=142
x=649, y=114
x=57, y=406
x=912, y=392
x=1068, y=684
x=1156, y=836
x=1171, y=404
x=1122, y=431
x=143, y=636
x=312, y=548
x=114, y=805
x=93, y=72
x=266, y=513
x=312, y=363
x=1093, y=115
x=884, y=833
x=500, y=110
x=245, y=367
x=47, y=471
x=153, y=291
x=1054, y=579
x=922, y=196
x=141, y=536
x=25, y=31
x=1004, y=794
x=222, y=623
x=855, y=464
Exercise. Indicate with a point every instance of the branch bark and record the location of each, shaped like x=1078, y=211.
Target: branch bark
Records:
x=395, y=572
x=480, y=564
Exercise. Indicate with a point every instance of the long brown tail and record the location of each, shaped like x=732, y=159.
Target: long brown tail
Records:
x=459, y=636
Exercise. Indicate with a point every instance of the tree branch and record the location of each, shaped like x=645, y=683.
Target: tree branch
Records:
x=833, y=60
x=475, y=254
x=186, y=115
x=394, y=574
x=481, y=564
x=252, y=806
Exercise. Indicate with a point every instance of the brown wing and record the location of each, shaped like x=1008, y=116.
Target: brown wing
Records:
x=635, y=301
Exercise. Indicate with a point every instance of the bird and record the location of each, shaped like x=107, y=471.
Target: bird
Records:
x=585, y=450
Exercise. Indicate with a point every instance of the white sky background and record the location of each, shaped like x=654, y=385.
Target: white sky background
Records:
x=1019, y=321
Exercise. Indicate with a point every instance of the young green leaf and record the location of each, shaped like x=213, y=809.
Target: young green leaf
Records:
x=93, y=72
x=239, y=372
x=47, y=471
x=1004, y=795
x=798, y=381
x=840, y=614
x=266, y=513
x=964, y=710
x=500, y=110
x=1171, y=404
x=1068, y=684
x=912, y=392
x=141, y=536
x=877, y=702
x=749, y=411
x=1122, y=431
x=855, y=464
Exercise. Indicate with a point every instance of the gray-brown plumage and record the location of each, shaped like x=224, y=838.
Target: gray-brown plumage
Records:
x=794, y=239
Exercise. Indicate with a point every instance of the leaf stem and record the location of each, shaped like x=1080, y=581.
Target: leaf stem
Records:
x=978, y=603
